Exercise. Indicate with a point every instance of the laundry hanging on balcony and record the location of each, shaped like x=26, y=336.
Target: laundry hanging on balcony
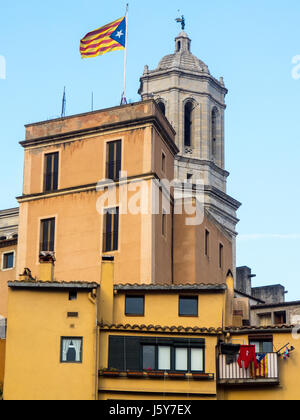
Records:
x=261, y=371
x=247, y=355
x=231, y=351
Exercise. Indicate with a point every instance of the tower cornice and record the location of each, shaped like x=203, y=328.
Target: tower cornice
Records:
x=192, y=74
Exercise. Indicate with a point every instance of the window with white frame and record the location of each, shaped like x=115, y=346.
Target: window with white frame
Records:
x=71, y=350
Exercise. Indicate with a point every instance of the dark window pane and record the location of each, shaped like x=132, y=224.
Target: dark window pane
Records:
x=134, y=305
x=71, y=355
x=164, y=221
x=55, y=171
x=47, y=235
x=267, y=347
x=116, y=230
x=118, y=159
x=188, y=109
x=149, y=357
x=280, y=317
x=221, y=249
x=124, y=353
x=108, y=231
x=207, y=243
x=8, y=261
x=73, y=295
x=52, y=233
x=162, y=107
x=132, y=353
x=114, y=158
x=188, y=306
x=111, y=230
x=214, y=130
x=262, y=346
x=51, y=172
x=116, y=353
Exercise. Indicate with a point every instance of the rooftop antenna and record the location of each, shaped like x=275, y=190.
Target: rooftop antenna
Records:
x=63, y=108
x=181, y=20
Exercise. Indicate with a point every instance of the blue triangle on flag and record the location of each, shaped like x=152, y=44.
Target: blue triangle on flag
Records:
x=119, y=35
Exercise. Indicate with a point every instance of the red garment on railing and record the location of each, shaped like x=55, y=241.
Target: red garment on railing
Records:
x=247, y=355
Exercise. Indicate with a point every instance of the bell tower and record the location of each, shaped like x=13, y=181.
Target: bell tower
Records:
x=194, y=103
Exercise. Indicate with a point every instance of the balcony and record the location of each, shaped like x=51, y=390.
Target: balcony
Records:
x=266, y=374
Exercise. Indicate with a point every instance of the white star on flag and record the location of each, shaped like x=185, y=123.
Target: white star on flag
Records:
x=119, y=34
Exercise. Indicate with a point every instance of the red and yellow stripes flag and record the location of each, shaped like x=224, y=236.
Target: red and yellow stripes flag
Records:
x=262, y=369
x=110, y=37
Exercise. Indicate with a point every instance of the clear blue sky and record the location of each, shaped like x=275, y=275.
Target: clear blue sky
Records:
x=250, y=43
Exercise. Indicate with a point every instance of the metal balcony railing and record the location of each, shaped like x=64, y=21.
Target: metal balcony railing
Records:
x=266, y=373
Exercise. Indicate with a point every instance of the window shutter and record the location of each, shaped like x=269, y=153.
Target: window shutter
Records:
x=116, y=353
x=55, y=171
x=124, y=353
x=133, y=353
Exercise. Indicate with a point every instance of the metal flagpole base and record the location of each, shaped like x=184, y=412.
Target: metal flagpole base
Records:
x=123, y=100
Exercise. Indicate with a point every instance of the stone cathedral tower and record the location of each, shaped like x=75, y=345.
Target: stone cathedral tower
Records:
x=194, y=102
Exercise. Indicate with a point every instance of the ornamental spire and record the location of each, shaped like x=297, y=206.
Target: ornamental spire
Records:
x=182, y=21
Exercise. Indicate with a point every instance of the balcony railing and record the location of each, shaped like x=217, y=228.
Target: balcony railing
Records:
x=232, y=374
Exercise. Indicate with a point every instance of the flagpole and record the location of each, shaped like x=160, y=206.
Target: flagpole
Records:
x=124, y=100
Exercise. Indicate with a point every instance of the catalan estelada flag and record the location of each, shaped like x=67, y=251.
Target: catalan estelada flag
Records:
x=262, y=370
x=110, y=37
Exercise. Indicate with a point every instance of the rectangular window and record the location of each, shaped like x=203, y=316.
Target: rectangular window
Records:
x=197, y=358
x=280, y=318
x=221, y=252
x=111, y=230
x=164, y=223
x=8, y=261
x=72, y=295
x=207, y=243
x=181, y=359
x=135, y=305
x=113, y=159
x=163, y=162
x=265, y=319
x=71, y=350
x=148, y=357
x=164, y=353
x=188, y=306
x=164, y=358
x=189, y=177
x=51, y=172
x=47, y=235
x=262, y=346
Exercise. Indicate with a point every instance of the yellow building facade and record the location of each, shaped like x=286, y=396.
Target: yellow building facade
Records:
x=42, y=317
x=115, y=295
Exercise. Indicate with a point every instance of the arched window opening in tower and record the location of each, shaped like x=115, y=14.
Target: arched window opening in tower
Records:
x=214, y=120
x=178, y=46
x=188, y=120
x=162, y=107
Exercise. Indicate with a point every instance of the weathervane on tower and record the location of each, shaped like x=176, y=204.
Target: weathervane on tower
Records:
x=182, y=21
